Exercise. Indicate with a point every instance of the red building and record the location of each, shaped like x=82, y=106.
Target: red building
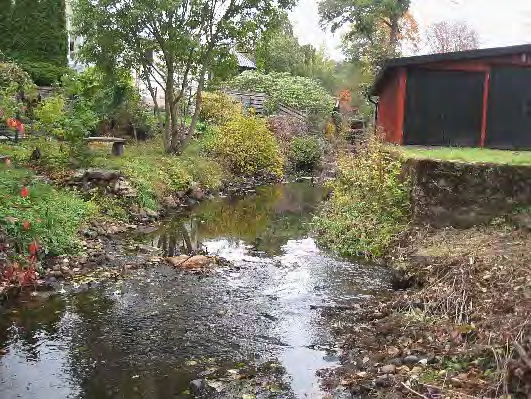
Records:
x=477, y=98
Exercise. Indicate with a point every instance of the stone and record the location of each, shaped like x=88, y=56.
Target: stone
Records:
x=147, y=248
x=66, y=272
x=411, y=359
x=123, y=188
x=95, y=174
x=388, y=369
x=151, y=213
x=197, y=193
x=191, y=262
x=383, y=381
x=522, y=220
x=89, y=233
x=57, y=274
x=170, y=202
x=197, y=386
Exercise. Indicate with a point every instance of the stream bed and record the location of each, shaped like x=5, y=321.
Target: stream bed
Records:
x=251, y=329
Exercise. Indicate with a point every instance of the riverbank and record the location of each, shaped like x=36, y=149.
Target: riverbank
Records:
x=461, y=330
x=61, y=214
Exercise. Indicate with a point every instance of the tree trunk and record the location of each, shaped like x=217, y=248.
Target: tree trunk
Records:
x=394, y=33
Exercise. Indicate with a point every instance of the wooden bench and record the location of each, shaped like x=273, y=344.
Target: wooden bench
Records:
x=118, y=144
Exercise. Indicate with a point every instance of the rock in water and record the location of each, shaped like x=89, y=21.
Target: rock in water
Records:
x=196, y=386
x=191, y=262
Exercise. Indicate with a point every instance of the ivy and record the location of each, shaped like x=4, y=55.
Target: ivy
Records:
x=37, y=39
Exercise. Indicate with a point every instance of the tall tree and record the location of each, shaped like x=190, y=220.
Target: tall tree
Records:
x=37, y=37
x=174, y=44
x=446, y=37
x=5, y=25
x=366, y=17
x=52, y=38
x=376, y=27
x=279, y=50
x=24, y=20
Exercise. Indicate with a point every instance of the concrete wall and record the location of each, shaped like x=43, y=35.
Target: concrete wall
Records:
x=462, y=195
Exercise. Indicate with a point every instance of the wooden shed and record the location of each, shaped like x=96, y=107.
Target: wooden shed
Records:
x=476, y=98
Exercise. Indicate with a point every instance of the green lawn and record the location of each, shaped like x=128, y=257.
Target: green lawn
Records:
x=466, y=155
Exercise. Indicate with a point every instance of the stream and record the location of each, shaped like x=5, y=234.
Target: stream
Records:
x=251, y=329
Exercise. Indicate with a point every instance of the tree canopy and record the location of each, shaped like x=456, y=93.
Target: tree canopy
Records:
x=34, y=35
x=377, y=28
x=172, y=44
x=445, y=37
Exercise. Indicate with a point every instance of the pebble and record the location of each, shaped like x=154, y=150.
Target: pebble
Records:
x=411, y=359
x=196, y=386
x=383, y=381
x=388, y=369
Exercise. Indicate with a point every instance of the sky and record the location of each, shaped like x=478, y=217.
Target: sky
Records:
x=498, y=23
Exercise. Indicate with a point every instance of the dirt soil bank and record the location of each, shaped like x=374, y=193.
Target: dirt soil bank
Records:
x=462, y=331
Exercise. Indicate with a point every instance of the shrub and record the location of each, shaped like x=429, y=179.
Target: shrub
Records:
x=247, y=147
x=43, y=73
x=305, y=153
x=71, y=120
x=294, y=91
x=285, y=128
x=218, y=108
x=54, y=216
x=370, y=204
x=16, y=90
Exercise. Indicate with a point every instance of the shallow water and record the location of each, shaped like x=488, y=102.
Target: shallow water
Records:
x=250, y=330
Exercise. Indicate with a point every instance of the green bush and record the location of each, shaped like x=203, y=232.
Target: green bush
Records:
x=305, y=153
x=247, y=147
x=218, y=108
x=16, y=90
x=301, y=93
x=43, y=73
x=370, y=204
x=156, y=174
x=68, y=119
x=54, y=216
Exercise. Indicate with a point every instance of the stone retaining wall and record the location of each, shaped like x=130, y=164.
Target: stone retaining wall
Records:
x=461, y=195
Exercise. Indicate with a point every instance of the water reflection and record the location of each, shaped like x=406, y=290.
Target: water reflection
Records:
x=151, y=334
x=264, y=221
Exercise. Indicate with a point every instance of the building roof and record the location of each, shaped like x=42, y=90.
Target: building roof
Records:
x=244, y=61
x=395, y=63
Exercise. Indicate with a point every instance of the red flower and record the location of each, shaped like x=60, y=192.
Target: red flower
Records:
x=24, y=192
x=34, y=248
x=19, y=126
x=26, y=225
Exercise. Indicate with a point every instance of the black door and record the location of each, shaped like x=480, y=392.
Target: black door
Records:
x=443, y=108
x=509, y=117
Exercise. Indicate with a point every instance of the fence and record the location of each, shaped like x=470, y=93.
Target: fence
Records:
x=258, y=100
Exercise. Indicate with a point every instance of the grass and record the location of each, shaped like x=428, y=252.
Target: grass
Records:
x=49, y=215
x=154, y=173
x=369, y=206
x=465, y=155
